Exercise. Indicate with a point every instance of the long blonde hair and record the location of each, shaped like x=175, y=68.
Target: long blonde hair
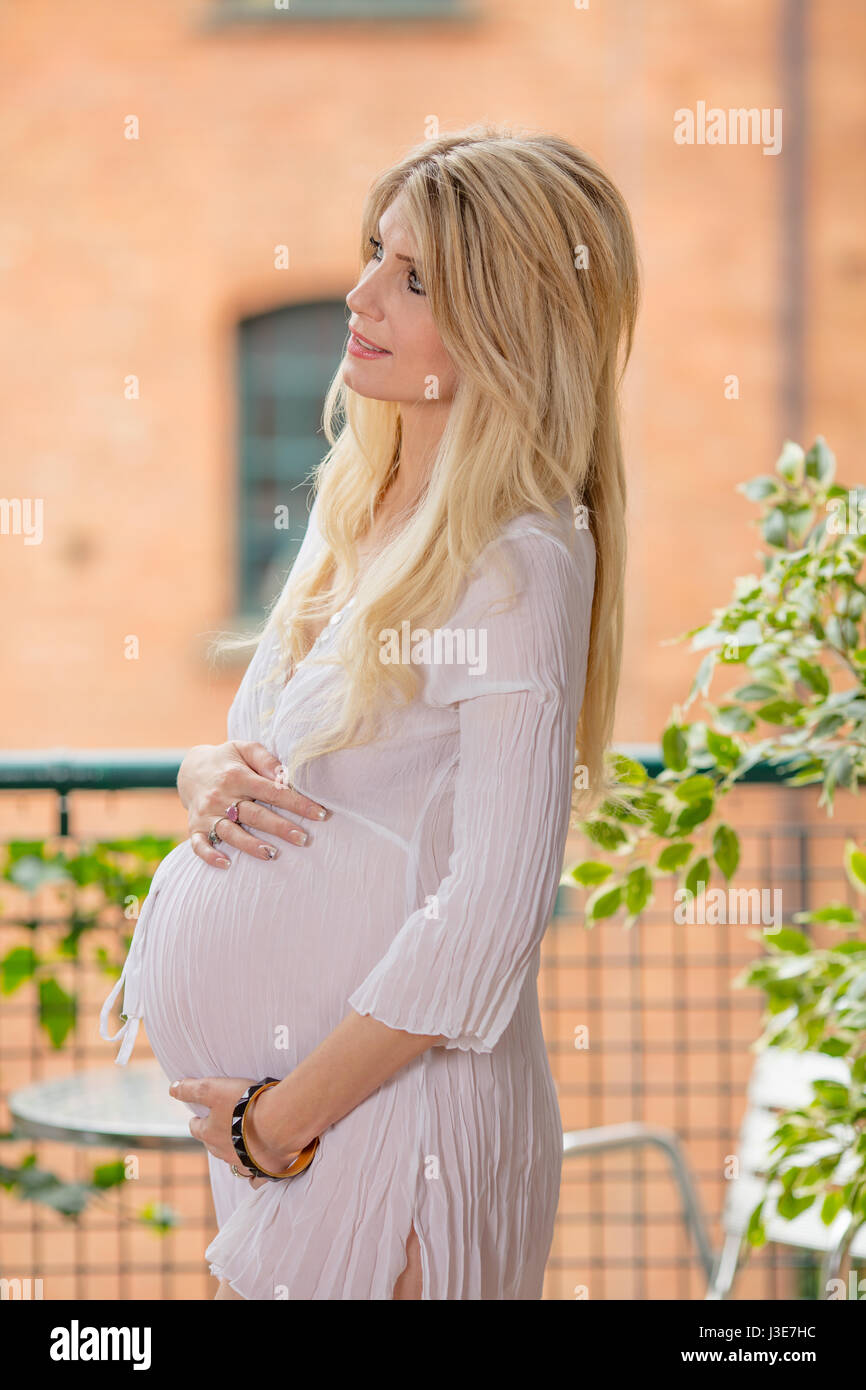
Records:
x=527, y=254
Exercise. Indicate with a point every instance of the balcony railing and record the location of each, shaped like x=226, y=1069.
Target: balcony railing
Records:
x=670, y=1044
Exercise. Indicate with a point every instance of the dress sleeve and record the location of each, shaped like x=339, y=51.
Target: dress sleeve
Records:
x=457, y=966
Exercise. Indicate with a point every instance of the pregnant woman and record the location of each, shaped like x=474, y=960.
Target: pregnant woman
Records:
x=348, y=1004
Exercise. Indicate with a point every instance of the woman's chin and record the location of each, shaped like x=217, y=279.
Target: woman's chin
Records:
x=362, y=382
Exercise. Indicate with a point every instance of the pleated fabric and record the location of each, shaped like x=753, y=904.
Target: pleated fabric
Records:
x=423, y=901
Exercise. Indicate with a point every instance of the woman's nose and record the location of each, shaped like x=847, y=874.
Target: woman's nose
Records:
x=364, y=300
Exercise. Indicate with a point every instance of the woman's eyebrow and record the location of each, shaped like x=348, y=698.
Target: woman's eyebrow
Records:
x=396, y=254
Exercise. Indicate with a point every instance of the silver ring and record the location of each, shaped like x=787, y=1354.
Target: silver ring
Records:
x=212, y=835
x=236, y=1170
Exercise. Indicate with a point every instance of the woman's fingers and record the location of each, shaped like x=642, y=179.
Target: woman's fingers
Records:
x=204, y=849
x=256, y=817
x=269, y=783
x=277, y=794
x=245, y=774
x=244, y=835
x=256, y=756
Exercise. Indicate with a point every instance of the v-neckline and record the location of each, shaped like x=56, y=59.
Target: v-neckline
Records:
x=333, y=621
x=337, y=614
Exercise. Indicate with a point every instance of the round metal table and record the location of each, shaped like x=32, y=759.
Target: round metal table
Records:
x=111, y=1105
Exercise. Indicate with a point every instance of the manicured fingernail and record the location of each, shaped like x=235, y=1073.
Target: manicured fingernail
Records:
x=223, y=863
x=321, y=814
x=268, y=851
x=300, y=837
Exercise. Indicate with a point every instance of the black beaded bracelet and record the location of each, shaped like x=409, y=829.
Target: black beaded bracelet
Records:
x=239, y=1138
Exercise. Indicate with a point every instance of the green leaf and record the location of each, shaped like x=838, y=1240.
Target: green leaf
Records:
x=57, y=1011
x=810, y=771
x=780, y=711
x=755, y=691
x=703, y=676
x=109, y=1174
x=789, y=940
x=694, y=814
x=734, y=718
x=17, y=966
x=831, y=1094
x=760, y=488
x=723, y=749
x=726, y=849
x=755, y=1231
x=69, y=1198
x=604, y=904
x=629, y=772
x=774, y=528
x=834, y=1047
x=814, y=676
x=831, y=1206
x=699, y=873
x=590, y=871
x=839, y=913
x=638, y=890
x=675, y=856
x=790, y=464
x=790, y=1206
x=820, y=462
x=674, y=748
x=695, y=788
x=855, y=866
x=602, y=833
x=828, y=725
x=160, y=1217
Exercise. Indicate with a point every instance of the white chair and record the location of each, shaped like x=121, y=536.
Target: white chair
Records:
x=780, y=1081
x=634, y=1136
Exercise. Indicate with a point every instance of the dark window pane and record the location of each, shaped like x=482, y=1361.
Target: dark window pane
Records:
x=287, y=360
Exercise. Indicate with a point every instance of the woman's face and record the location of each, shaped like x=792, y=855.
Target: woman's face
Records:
x=390, y=308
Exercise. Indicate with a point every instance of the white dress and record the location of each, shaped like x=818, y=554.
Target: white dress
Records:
x=421, y=900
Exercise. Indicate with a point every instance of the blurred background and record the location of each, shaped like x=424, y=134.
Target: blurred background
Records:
x=178, y=231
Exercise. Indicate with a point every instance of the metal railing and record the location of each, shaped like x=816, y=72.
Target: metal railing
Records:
x=670, y=1047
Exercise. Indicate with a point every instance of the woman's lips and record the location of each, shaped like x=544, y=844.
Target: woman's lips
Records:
x=358, y=348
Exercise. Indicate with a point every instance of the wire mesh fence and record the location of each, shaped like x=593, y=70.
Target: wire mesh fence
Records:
x=641, y=1024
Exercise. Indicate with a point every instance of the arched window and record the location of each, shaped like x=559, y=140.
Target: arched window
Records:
x=286, y=360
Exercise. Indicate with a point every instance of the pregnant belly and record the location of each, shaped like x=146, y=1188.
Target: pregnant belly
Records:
x=244, y=970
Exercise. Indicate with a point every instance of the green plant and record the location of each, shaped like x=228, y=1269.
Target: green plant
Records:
x=816, y=1002
x=797, y=629
x=98, y=886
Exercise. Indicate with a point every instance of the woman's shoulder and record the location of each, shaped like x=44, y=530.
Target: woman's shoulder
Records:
x=553, y=557
x=566, y=528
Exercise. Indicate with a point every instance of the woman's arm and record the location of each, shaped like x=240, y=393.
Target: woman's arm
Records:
x=213, y=776
x=343, y=1070
x=346, y=1067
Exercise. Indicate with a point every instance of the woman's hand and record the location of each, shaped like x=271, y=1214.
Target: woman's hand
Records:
x=221, y=1094
x=213, y=776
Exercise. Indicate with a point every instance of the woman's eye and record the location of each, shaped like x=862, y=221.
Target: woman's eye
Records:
x=413, y=274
